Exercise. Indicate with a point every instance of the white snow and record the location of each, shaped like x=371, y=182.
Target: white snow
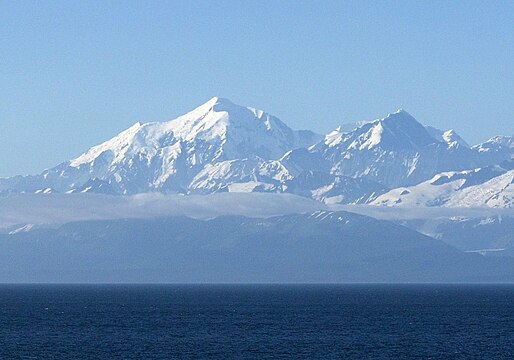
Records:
x=224, y=147
x=151, y=156
x=496, y=192
x=25, y=228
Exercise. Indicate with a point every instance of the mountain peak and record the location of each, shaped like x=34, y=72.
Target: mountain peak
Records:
x=216, y=104
x=335, y=137
x=400, y=111
x=450, y=137
x=215, y=131
x=217, y=100
x=222, y=146
x=453, y=139
x=396, y=129
x=217, y=116
x=399, y=114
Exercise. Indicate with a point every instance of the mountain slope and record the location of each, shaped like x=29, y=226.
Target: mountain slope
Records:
x=394, y=151
x=167, y=156
x=487, y=235
x=492, y=186
x=323, y=246
x=224, y=147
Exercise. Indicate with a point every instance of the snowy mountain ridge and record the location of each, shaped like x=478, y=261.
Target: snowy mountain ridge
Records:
x=224, y=147
x=212, y=122
x=492, y=186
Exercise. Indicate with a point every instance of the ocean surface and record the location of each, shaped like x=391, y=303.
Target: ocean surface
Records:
x=256, y=321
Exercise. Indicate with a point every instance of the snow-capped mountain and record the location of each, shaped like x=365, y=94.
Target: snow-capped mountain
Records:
x=224, y=147
x=496, y=149
x=497, y=192
x=168, y=156
x=394, y=151
x=492, y=186
x=450, y=137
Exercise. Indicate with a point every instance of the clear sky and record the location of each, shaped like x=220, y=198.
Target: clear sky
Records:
x=75, y=73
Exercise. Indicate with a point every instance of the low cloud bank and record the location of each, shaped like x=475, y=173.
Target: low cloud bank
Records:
x=55, y=209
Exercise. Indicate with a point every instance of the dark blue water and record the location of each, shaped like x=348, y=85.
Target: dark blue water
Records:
x=256, y=322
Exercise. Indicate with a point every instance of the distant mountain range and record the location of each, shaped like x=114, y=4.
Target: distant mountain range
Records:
x=320, y=247
x=224, y=147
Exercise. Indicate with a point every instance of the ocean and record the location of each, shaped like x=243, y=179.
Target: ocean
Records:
x=256, y=321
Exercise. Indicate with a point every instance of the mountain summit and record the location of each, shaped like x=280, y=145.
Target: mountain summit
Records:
x=166, y=156
x=228, y=130
x=397, y=130
x=221, y=146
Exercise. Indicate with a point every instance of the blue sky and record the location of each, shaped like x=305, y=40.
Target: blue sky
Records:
x=73, y=74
